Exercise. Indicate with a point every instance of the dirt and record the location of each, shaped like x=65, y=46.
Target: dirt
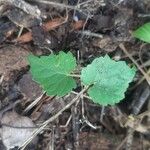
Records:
x=30, y=89
x=92, y=29
x=13, y=65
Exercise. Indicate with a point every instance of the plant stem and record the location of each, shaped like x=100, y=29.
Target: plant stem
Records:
x=75, y=75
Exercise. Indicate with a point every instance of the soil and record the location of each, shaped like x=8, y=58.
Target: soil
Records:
x=93, y=29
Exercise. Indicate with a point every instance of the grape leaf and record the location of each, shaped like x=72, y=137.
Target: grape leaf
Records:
x=109, y=80
x=143, y=33
x=53, y=72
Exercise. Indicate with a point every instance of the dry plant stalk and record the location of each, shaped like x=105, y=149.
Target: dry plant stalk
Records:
x=137, y=65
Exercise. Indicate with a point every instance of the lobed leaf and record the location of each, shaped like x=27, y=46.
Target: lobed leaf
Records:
x=53, y=72
x=109, y=80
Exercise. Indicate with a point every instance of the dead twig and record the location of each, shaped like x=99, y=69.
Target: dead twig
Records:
x=33, y=103
x=1, y=79
x=122, y=143
x=90, y=34
x=61, y=5
x=129, y=141
x=56, y=4
x=138, y=66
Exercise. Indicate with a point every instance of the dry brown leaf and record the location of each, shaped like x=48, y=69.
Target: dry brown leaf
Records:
x=52, y=24
x=78, y=25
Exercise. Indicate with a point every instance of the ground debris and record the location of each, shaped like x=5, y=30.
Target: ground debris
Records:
x=13, y=59
x=30, y=89
x=26, y=7
x=13, y=64
x=20, y=18
x=88, y=29
x=6, y=29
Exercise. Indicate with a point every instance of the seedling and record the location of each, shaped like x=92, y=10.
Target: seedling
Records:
x=107, y=79
x=143, y=33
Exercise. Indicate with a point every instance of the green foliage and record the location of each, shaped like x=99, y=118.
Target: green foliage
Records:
x=53, y=72
x=109, y=80
x=143, y=33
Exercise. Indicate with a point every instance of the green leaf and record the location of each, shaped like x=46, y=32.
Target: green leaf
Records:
x=143, y=33
x=109, y=80
x=53, y=72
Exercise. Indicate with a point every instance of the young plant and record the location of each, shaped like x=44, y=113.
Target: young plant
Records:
x=107, y=79
x=143, y=33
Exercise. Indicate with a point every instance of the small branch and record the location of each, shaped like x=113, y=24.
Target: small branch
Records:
x=138, y=66
x=146, y=113
x=44, y=124
x=33, y=103
x=55, y=4
x=91, y=34
x=61, y=5
x=1, y=79
x=129, y=141
x=85, y=96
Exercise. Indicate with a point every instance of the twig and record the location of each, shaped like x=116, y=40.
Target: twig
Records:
x=18, y=127
x=102, y=113
x=74, y=13
x=67, y=123
x=75, y=125
x=132, y=129
x=143, y=78
x=85, y=96
x=52, y=139
x=52, y=119
x=129, y=140
x=138, y=66
x=89, y=123
x=20, y=31
x=91, y=34
x=122, y=143
x=56, y=4
x=146, y=113
x=33, y=103
x=1, y=79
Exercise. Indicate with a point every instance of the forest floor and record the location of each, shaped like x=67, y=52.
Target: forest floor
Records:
x=29, y=119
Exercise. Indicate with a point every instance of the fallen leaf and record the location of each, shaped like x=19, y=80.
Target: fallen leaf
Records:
x=52, y=24
x=16, y=129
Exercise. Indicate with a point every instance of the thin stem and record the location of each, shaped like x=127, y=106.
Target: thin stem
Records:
x=138, y=66
x=75, y=75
